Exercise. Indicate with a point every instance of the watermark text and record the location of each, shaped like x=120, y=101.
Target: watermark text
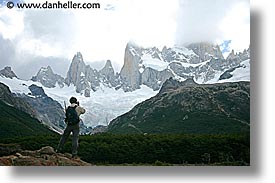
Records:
x=54, y=5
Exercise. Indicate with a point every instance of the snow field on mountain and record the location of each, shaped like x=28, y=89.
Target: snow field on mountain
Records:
x=153, y=63
x=104, y=104
x=240, y=74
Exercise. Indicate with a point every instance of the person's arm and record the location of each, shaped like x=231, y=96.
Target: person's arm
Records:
x=81, y=110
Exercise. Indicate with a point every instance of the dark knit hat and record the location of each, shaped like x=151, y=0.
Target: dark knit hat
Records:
x=73, y=100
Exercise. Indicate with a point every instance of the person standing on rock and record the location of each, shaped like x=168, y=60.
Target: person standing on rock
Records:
x=72, y=120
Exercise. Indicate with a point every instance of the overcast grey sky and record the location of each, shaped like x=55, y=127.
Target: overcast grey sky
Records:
x=30, y=39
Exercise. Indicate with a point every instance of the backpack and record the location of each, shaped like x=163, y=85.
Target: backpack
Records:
x=71, y=116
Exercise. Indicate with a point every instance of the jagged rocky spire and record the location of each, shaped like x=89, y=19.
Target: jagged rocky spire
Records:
x=151, y=67
x=8, y=73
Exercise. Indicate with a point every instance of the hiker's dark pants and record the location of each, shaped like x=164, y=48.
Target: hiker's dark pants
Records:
x=75, y=130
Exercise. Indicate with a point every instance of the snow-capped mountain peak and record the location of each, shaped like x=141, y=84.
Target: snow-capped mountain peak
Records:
x=152, y=67
x=48, y=78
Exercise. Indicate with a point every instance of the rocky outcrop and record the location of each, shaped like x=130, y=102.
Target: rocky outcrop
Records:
x=46, y=156
x=172, y=84
x=153, y=78
x=8, y=73
x=48, y=78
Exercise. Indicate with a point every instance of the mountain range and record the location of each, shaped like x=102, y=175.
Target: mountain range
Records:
x=148, y=66
x=107, y=95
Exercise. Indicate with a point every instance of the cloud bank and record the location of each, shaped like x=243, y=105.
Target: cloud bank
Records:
x=214, y=21
x=29, y=37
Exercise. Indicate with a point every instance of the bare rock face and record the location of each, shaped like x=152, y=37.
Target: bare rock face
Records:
x=78, y=75
x=108, y=75
x=129, y=73
x=154, y=79
x=134, y=73
x=49, y=111
x=108, y=69
x=8, y=73
x=76, y=70
x=48, y=78
x=177, y=54
x=46, y=156
x=206, y=50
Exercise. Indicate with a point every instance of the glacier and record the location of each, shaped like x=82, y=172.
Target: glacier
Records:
x=103, y=106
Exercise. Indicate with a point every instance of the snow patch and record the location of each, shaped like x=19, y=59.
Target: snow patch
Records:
x=183, y=50
x=141, y=70
x=154, y=63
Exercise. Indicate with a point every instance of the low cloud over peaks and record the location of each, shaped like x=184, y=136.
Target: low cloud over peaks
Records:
x=205, y=21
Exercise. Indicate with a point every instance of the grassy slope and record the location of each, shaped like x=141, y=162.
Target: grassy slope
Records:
x=192, y=110
x=17, y=123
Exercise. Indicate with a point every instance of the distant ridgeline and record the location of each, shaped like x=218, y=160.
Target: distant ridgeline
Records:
x=190, y=108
